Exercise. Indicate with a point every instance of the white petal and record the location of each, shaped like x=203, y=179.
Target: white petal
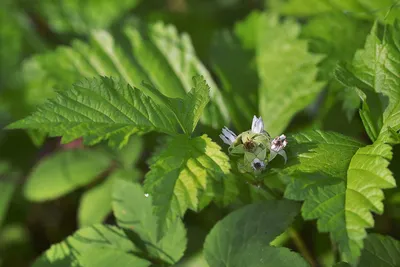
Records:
x=279, y=143
x=257, y=125
x=226, y=140
x=258, y=161
x=254, y=123
x=229, y=135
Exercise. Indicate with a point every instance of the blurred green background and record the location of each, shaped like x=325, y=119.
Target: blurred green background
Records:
x=34, y=59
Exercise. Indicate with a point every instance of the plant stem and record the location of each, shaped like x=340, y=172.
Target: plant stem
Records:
x=301, y=246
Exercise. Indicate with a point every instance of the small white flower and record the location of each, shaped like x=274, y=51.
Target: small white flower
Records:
x=257, y=125
x=146, y=195
x=277, y=146
x=258, y=165
x=228, y=136
x=279, y=143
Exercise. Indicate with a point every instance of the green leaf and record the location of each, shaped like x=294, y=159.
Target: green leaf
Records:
x=79, y=16
x=287, y=72
x=187, y=174
x=369, y=166
x=132, y=57
x=190, y=109
x=327, y=153
x=11, y=44
x=160, y=46
x=95, y=203
x=72, y=251
x=130, y=153
x=134, y=211
x=341, y=182
x=105, y=257
x=375, y=73
x=346, y=34
x=241, y=238
x=343, y=209
x=366, y=9
x=64, y=172
x=98, y=109
x=380, y=251
x=235, y=67
x=8, y=184
x=261, y=256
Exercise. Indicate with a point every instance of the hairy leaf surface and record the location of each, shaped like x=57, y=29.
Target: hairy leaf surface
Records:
x=71, y=251
x=98, y=109
x=188, y=174
x=144, y=56
x=341, y=196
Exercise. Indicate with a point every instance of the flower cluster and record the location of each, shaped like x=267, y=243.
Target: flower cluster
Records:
x=255, y=147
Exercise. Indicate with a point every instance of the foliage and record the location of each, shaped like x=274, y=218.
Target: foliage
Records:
x=111, y=111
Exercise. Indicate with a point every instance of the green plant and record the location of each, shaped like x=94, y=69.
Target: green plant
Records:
x=120, y=90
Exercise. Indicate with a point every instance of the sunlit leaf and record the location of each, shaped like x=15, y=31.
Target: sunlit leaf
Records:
x=286, y=69
x=340, y=194
x=149, y=48
x=82, y=16
x=101, y=257
x=366, y=9
x=71, y=252
x=133, y=210
x=187, y=174
x=375, y=73
x=95, y=203
x=98, y=109
x=64, y=172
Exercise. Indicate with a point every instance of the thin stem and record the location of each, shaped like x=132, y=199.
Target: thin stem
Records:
x=301, y=246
